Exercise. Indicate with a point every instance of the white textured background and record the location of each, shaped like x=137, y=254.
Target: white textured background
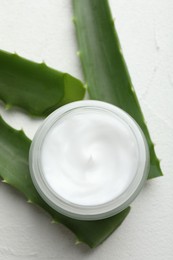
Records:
x=42, y=30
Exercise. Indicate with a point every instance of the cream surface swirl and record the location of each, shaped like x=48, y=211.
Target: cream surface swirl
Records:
x=89, y=157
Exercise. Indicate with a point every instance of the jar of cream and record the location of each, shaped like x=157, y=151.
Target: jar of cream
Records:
x=89, y=160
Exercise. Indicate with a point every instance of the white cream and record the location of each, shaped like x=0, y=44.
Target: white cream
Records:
x=89, y=156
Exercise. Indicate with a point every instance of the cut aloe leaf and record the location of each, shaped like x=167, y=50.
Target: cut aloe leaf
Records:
x=35, y=87
x=14, y=170
x=104, y=67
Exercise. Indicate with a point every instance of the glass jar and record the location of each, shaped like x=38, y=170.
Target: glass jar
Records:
x=89, y=160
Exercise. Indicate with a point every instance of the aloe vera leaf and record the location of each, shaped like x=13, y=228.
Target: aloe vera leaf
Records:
x=104, y=67
x=14, y=170
x=35, y=87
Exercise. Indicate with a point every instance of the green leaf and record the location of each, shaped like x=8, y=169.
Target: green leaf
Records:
x=35, y=87
x=14, y=170
x=104, y=67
